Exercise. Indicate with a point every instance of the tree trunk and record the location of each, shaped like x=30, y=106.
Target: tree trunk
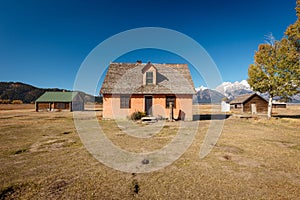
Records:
x=270, y=107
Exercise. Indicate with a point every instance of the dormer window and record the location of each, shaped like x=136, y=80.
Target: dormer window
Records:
x=149, y=78
x=149, y=74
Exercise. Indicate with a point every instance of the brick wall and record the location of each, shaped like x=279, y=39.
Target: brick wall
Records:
x=111, y=108
x=183, y=107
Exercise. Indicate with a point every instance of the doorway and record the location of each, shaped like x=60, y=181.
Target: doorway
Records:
x=148, y=105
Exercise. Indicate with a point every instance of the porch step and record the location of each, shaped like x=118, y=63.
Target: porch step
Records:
x=149, y=119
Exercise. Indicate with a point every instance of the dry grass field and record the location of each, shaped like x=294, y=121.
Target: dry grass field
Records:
x=42, y=157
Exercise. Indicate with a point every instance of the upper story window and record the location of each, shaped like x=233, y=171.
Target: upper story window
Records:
x=149, y=78
x=149, y=74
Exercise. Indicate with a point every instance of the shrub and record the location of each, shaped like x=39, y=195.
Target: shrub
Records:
x=4, y=101
x=17, y=102
x=137, y=115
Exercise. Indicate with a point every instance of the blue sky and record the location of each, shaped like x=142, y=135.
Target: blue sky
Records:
x=43, y=43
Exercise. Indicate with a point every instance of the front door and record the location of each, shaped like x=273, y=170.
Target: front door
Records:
x=148, y=105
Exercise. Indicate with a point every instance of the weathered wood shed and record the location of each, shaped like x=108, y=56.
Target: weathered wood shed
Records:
x=248, y=102
x=52, y=101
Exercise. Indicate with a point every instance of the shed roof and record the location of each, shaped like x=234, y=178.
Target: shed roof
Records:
x=243, y=98
x=127, y=78
x=57, y=97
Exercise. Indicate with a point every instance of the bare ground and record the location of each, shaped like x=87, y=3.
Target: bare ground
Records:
x=42, y=157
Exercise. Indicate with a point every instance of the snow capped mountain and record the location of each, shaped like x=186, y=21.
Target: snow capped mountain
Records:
x=226, y=89
x=296, y=98
x=232, y=90
x=201, y=88
x=245, y=83
x=207, y=96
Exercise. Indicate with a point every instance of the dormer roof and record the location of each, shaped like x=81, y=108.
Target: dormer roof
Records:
x=147, y=67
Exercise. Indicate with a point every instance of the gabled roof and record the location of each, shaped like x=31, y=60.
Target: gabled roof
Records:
x=243, y=98
x=147, y=67
x=57, y=97
x=127, y=78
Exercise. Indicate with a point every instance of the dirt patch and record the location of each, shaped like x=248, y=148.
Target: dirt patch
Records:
x=227, y=157
x=230, y=149
x=240, y=160
x=236, y=155
x=297, y=147
x=16, y=190
x=57, y=186
x=284, y=144
x=50, y=144
x=19, y=151
x=67, y=132
x=246, y=161
x=293, y=178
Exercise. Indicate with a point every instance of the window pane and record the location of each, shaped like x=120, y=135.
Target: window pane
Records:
x=170, y=99
x=124, y=101
x=149, y=77
x=61, y=105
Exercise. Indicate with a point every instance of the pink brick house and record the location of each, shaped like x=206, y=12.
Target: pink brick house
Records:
x=147, y=87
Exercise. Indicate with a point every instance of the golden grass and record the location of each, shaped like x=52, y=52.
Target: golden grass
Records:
x=42, y=157
x=16, y=106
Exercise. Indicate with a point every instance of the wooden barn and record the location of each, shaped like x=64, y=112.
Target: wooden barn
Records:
x=56, y=101
x=156, y=89
x=249, y=103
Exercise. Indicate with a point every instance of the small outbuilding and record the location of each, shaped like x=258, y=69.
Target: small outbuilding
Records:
x=54, y=101
x=249, y=103
x=278, y=105
x=225, y=107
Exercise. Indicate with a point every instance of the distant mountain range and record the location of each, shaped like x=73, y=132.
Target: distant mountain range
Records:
x=229, y=91
x=28, y=94
x=232, y=90
x=205, y=95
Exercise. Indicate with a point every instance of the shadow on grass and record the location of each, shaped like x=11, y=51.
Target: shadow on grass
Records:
x=288, y=116
x=211, y=117
x=88, y=110
x=93, y=110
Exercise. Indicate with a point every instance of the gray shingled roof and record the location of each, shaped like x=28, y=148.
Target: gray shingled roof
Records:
x=127, y=78
x=57, y=97
x=243, y=98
